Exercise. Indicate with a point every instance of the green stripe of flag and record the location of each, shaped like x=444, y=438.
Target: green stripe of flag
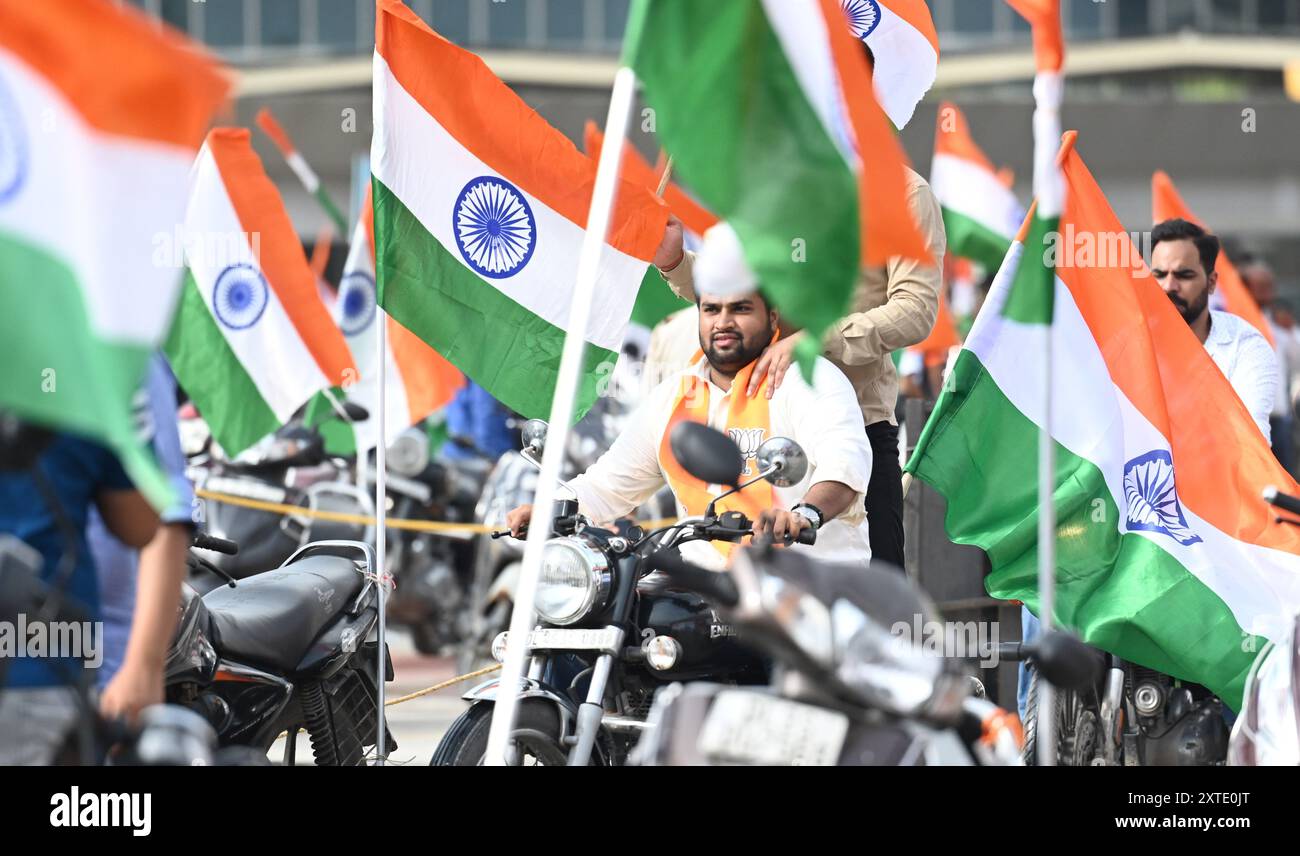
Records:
x=213, y=376
x=58, y=372
x=509, y=351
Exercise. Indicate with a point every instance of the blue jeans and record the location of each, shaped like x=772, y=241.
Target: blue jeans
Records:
x=1030, y=630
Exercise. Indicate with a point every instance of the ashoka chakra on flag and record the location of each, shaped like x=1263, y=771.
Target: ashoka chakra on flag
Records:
x=494, y=227
x=13, y=147
x=240, y=296
x=863, y=15
x=357, y=298
x=1152, y=499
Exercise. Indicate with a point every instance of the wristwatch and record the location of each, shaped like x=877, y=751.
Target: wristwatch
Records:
x=809, y=512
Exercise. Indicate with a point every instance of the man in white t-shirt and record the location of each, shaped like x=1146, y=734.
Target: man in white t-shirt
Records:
x=1183, y=256
x=823, y=417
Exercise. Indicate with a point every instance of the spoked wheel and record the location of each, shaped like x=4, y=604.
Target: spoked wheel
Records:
x=1077, y=724
x=536, y=735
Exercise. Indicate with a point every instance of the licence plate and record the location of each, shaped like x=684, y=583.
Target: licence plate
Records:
x=567, y=639
x=754, y=728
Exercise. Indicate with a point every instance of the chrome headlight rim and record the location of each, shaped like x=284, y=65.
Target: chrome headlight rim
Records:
x=599, y=578
x=408, y=454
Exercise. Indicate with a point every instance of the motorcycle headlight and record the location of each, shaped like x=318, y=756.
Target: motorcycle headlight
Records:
x=574, y=582
x=408, y=455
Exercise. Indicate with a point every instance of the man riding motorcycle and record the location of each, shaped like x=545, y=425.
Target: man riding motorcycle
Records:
x=736, y=324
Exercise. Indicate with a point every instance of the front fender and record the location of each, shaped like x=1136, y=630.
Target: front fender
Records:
x=531, y=688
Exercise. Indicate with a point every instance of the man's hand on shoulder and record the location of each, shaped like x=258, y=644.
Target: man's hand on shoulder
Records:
x=773, y=364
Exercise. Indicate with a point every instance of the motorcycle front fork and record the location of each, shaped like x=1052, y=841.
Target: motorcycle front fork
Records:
x=1118, y=721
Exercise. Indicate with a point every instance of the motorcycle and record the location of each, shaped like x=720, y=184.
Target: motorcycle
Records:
x=433, y=571
x=286, y=650
x=846, y=691
x=288, y=467
x=611, y=633
x=511, y=483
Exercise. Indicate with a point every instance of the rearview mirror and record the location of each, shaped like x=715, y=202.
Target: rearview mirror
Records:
x=784, y=461
x=707, y=454
x=355, y=411
x=534, y=436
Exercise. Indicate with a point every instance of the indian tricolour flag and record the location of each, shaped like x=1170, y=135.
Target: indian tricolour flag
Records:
x=1166, y=554
x=905, y=44
x=252, y=340
x=417, y=380
x=100, y=117
x=480, y=209
x=981, y=215
x=767, y=110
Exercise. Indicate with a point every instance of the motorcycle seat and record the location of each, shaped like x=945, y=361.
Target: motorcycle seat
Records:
x=271, y=619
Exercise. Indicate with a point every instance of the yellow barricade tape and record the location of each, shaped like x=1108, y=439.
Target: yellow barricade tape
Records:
x=366, y=520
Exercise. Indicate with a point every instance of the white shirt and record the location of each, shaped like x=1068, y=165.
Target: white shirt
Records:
x=824, y=418
x=1249, y=363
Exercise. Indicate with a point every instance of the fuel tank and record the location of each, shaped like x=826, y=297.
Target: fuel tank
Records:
x=711, y=648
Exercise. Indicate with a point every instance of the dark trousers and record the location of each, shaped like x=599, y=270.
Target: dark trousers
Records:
x=885, y=495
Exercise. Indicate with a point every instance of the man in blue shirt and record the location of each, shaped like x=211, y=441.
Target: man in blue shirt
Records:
x=46, y=506
x=138, y=591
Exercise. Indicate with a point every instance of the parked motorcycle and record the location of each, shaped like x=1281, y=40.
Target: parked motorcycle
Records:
x=287, y=650
x=611, y=635
x=288, y=467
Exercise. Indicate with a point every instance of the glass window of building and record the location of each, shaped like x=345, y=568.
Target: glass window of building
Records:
x=223, y=23
x=973, y=16
x=507, y=23
x=176, y=13
x=451, y=19
x=1180, y=15
x=1273, y=14
x=1227, y=16
x=336, y=23
x=564, y=22
x=1134, y=17
x=615, y=21
x=1083, y=19
x=281, y=23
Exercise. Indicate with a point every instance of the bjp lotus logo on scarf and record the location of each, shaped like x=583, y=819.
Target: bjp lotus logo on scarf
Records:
x=748, y=439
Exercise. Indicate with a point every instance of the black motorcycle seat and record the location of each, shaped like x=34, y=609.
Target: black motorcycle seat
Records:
x=271, y=619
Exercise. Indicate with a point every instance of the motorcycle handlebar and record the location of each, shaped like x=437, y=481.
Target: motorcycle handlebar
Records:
x=1284, y=501
x=712, y=584
x=218, y=545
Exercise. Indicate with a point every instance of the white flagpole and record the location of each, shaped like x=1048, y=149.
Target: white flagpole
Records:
x=566, y=388
x=1050, y=190
x=381, y=518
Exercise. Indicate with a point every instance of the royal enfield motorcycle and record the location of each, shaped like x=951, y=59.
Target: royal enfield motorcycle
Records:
x=612, y=633
x=288, y=650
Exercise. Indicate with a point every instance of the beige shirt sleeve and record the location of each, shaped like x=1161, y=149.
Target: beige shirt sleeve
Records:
x=912, y=296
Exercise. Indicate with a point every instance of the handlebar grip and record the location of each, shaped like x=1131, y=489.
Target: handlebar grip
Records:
x=218, y=545
x=807, y=536
x=716, y=586
x=1284, y=501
